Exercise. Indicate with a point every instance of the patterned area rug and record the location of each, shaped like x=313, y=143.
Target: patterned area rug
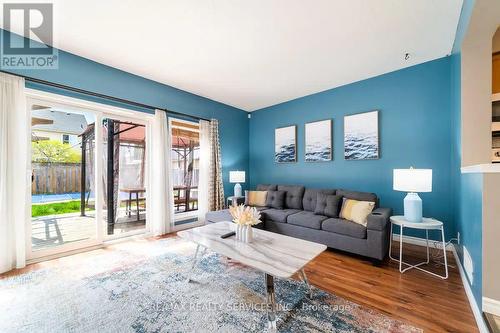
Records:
x=141, y=287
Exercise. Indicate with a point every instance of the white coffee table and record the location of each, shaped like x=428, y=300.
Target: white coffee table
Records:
x=274, y=254
x=426, y=224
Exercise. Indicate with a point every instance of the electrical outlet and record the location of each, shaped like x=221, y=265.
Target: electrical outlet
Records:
x=458, y=238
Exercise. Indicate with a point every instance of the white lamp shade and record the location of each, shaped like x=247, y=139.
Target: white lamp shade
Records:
x=412, y=180
x=236, y=176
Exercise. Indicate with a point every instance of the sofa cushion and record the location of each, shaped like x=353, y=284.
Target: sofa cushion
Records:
x=356, y=211
x=328, y=205
x=294, y=195
x=310, y=196
x=306, y=219
x=360, y=196
x=266, y=187
x=255, y=198
x=218, y=216
x=344, y=227
x=275, y=199
x=278, y=215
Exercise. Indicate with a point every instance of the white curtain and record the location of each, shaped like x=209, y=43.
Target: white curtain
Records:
x=162, y=202
x=14, y=175
x=204, y=176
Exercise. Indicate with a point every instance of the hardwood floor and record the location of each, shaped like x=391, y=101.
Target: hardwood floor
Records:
x=425, y=301
x=414, y=297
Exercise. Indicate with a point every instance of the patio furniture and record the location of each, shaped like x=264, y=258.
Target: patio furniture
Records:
x=128, y=203
x=183, y=197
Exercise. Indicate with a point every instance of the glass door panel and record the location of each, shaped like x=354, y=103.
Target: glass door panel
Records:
x=185, y=162
x=124, y=176
x=63, y=177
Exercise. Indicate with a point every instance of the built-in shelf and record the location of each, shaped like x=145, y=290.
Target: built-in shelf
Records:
x=495, y=97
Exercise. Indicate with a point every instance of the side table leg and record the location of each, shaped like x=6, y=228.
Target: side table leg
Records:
x=444, y=253
x=390, y=244
x=271, y=303
x=427, y=243
x=401, y=248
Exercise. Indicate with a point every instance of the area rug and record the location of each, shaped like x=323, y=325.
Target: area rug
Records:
x=141, y=287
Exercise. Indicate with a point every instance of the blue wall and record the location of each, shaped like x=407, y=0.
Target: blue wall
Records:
x=414, y=126
x=85, y=74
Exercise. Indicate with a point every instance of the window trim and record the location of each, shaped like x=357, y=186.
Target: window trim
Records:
x=65, y=141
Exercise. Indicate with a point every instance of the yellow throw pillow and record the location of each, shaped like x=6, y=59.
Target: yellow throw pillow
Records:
x=256, y=198
x=356, y=211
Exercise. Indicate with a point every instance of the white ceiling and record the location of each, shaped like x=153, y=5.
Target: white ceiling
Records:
x=253, y=54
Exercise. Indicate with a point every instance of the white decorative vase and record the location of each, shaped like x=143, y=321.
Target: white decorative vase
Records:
x=244, y=233
x=239, y=232
x=249, y=234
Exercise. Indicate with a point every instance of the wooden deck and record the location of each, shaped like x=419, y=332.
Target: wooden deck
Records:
x=56, y=230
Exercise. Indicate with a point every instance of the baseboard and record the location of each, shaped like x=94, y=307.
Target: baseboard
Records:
x=491, y=306
x=418, y=241
x=478, y=315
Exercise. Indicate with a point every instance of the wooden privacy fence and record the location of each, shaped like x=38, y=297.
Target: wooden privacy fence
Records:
x=56, y=178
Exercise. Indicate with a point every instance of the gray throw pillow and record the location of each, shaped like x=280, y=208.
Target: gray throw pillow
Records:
x=328, y=205
x=275, y=199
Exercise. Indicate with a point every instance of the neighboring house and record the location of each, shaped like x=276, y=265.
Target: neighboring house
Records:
x=65, y=127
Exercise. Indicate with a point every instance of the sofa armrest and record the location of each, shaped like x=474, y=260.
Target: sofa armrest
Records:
x=379, y=219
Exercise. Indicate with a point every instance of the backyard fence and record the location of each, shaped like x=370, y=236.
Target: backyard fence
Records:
x=56, y=178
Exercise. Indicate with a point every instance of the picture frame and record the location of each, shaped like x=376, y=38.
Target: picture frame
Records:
x=361, y=136
x=318, y=138
x=285, y=144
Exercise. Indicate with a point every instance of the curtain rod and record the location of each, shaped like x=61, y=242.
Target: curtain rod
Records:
x=94, y=94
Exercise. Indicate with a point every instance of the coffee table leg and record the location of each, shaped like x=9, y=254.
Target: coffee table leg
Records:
x=195, y=261
x=271, y=303
x=304, y=278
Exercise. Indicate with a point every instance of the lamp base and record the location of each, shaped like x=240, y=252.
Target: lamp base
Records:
x=413, y=207
x=237, y=190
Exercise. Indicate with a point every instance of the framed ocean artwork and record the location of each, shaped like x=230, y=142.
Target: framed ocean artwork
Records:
x=318, y=141
x=285, y=144
x=361, y=136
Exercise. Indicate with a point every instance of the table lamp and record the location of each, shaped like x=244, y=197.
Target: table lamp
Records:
x=412, y=181
x=237, y=177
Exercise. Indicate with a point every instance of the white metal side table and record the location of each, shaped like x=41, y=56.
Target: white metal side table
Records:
x=426, y=224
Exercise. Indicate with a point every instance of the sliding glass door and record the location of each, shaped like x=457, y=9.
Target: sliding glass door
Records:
x=63, y=207
x=185, y=166
x=89, y=174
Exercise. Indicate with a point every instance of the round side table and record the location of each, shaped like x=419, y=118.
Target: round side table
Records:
x=426, y=224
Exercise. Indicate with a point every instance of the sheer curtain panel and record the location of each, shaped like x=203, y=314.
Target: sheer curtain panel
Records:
x=14, y=175
x=204, y=177
x=162, y=202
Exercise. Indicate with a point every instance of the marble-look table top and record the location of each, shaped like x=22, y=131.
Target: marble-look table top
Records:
x=272, y=253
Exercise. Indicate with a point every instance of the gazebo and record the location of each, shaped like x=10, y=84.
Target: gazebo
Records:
x=119, y=136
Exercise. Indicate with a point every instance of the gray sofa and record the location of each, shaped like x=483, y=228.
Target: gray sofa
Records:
x=298, y=219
